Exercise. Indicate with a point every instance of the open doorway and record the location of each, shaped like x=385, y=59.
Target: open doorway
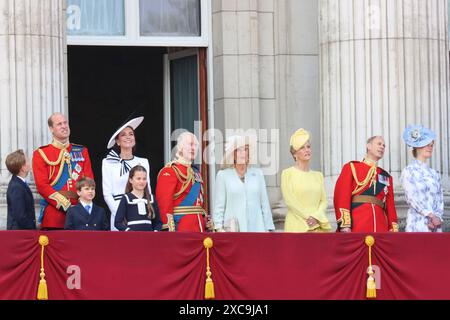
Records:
x=106, y=85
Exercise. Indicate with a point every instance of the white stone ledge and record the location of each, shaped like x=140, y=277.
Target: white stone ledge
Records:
x=267, y=55
x=244, y=98
x=382, y=38
x=243, y=11
x=31, y=35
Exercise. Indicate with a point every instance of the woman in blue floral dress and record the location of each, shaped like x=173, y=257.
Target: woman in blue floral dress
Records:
x=422, y=184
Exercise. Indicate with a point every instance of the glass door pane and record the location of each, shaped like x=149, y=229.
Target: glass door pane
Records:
x=184, y=93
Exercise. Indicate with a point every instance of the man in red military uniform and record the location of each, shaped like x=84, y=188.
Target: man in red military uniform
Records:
x=364, y=194
x=56, y=168
x=179, y=190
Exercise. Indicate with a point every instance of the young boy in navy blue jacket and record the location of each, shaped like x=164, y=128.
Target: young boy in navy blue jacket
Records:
x=86, y=215
x=21, y=214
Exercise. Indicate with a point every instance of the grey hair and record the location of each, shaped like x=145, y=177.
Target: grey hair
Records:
x=181, y=140
x=370, y=140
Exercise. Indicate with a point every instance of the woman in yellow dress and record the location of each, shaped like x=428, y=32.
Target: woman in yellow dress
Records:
x=304, y=190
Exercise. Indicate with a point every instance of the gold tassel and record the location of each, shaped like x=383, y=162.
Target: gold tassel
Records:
x=371, y=292
x=42, y=289
x=209, y=286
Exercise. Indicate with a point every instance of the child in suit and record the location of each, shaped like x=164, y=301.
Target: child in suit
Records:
x=86, y=215
x=21, y=214
x=137, y=211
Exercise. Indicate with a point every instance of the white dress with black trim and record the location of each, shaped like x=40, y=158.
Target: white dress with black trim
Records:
x=115, y=171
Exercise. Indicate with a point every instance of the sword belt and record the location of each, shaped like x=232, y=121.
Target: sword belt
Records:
x=368, y=199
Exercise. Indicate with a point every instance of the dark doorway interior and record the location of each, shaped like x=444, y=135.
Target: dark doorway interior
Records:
x=106, y=85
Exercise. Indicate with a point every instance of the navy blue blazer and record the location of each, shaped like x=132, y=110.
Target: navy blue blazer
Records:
x=77, y=218
x=21, y=214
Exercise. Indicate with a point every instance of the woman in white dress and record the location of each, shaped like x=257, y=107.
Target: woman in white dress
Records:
x=422, y=184
x=118, y=163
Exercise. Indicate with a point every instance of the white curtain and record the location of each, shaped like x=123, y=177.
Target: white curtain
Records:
x=169, y=17
x=96, y=17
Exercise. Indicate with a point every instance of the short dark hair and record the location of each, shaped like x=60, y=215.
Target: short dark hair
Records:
x=85, y=182
x=15, y=161
x=414, y=152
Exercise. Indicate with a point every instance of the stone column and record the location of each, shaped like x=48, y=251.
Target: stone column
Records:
x=384, y=65
x=244, y=68
x=32, y=46
x=266, y=75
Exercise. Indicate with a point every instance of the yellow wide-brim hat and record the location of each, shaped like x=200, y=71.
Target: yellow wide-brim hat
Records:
x=299, y=138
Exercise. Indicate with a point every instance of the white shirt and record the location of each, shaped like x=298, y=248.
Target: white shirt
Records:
x=23, y=179
x=84, y=204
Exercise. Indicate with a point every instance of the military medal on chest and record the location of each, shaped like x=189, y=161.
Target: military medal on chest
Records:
x=75, y=175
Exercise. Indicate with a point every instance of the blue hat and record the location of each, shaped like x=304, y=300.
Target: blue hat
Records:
x=418, y=136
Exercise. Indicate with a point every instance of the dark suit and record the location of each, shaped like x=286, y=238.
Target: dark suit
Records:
x=77, y=218
x=21, y=215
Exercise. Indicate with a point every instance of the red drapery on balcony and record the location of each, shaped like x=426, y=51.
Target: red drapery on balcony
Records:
x=172, y=266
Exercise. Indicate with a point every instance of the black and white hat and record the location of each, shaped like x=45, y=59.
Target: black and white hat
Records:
x=133, y=123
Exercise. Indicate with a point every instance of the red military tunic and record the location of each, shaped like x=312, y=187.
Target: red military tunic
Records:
x=364, y=198
x=174, y=183
x=56, y=169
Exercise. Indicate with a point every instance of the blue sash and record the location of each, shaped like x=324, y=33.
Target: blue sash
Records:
x=188, y=201
x=76, y=154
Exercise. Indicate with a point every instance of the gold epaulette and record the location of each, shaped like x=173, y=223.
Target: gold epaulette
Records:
x=185, y=179
x=47, y=161
x=167, y=165
x=63, y=158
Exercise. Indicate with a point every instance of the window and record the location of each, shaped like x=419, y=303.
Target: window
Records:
x=96, y=17
x=162, y=23
x=169, y=18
